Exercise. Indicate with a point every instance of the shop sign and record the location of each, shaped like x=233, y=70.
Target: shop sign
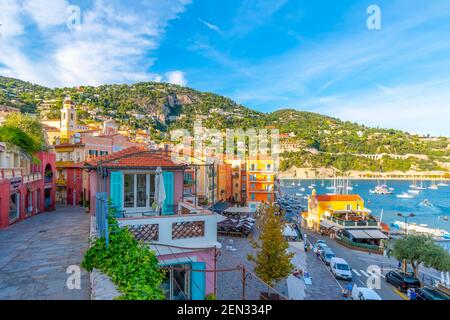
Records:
x=15, y=183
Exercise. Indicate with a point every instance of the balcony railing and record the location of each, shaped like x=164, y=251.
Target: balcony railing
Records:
x=183, y=230
x=61, y=181
x=351, y=223
x=8, y=173
x=32, y=177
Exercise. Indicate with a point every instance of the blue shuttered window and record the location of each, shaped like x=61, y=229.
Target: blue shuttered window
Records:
x=168, y=208
x=116, y=187
x=198, y=281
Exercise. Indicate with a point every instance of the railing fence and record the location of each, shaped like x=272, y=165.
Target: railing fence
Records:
x=101, y=216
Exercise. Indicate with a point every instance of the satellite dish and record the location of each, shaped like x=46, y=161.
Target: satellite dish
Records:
x=77, y=135
x=77, y=140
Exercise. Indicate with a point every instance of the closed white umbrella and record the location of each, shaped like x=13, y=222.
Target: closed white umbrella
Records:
x=160, y=191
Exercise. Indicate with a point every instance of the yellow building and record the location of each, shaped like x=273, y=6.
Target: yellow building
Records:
x=336, y=210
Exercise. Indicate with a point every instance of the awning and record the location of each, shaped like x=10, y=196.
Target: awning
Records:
x=367, y=234
x=376, y=234
x=359, y=234
x=326, y=224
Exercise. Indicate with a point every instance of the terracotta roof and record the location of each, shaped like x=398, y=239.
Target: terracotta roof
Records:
x=134, y=157
x=339, y=197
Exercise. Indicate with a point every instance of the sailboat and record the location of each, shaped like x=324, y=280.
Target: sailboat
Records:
x=442, y=184
x=433, y=186
x=421, y=186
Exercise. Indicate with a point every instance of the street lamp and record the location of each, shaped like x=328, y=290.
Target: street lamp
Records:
x=406, y=216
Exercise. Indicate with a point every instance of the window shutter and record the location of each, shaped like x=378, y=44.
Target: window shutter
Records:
x=198, y=283
x=168, y=186
x=116, y=194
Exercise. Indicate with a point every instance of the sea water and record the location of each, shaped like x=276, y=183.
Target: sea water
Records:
x=390, y=205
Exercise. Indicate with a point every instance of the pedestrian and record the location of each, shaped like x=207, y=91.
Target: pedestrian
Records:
x=408, y=293
x=399, y=264
x=413, y=294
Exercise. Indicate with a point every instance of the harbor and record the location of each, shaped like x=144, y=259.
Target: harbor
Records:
x=428, y=200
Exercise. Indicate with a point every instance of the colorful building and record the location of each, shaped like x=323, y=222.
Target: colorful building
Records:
x=26, y=189
x=73, y=144
x=261, y=173
x=344, y=216
x=183, y=236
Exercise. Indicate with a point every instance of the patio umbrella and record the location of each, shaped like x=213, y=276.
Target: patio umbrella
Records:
x=160, y=191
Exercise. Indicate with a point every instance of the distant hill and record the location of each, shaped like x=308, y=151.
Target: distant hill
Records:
x=325, y=141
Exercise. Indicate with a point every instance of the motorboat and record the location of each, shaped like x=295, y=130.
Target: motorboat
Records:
x=426, y=203
x=405, y=195
x=413, y=191
x=381, y=190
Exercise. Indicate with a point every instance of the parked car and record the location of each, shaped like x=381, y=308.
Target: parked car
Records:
x=326, y=254
x=319, y=245
x=362, y=293
x=402, y=280
x=341, y=269
x=428, y=293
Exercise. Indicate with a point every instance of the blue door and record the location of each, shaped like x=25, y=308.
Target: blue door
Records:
x=198, y=281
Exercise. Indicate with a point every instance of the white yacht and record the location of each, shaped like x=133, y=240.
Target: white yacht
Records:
x=405, y=195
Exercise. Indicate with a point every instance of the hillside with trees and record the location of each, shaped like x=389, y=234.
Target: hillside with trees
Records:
x=159, y=107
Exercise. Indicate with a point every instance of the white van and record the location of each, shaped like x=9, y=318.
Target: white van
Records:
x=341, y=269
x=361, y=293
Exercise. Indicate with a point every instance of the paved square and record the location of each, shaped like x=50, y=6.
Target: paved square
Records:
x=35, y=254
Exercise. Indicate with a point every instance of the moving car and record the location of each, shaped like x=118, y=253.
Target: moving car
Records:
x=362, y=293
x=326, y=254
x=341, y=269
x=428, y=293
x=402, y=280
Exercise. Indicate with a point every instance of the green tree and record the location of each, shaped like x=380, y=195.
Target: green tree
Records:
x=28, y=124
x=15, y=136
x=420, y=249
x=272, y=262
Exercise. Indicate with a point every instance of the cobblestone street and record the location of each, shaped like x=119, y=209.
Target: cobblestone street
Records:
x=35, y=254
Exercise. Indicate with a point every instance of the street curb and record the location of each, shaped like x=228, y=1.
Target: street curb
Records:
x=401, y=294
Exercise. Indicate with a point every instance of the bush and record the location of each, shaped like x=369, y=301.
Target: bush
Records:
x=131, y=265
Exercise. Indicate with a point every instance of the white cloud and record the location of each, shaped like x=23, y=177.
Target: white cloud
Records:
x=210, y=26
x=114, y=44
x=176, y=77
x=47, y=13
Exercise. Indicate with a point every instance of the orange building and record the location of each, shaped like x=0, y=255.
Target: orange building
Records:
x=260, y=180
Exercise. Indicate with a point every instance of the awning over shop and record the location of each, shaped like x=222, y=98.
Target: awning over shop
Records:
x=367, y=234
x=376, y=234
x=325, y=224
x=359, y=234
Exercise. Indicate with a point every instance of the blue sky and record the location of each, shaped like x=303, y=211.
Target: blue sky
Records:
x=315, y=55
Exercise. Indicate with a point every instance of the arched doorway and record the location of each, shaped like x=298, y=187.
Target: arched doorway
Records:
x=48, y=173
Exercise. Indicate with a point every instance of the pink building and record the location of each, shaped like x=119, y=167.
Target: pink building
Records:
x=183, y=236
x=26, y=189
x=72, y=182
